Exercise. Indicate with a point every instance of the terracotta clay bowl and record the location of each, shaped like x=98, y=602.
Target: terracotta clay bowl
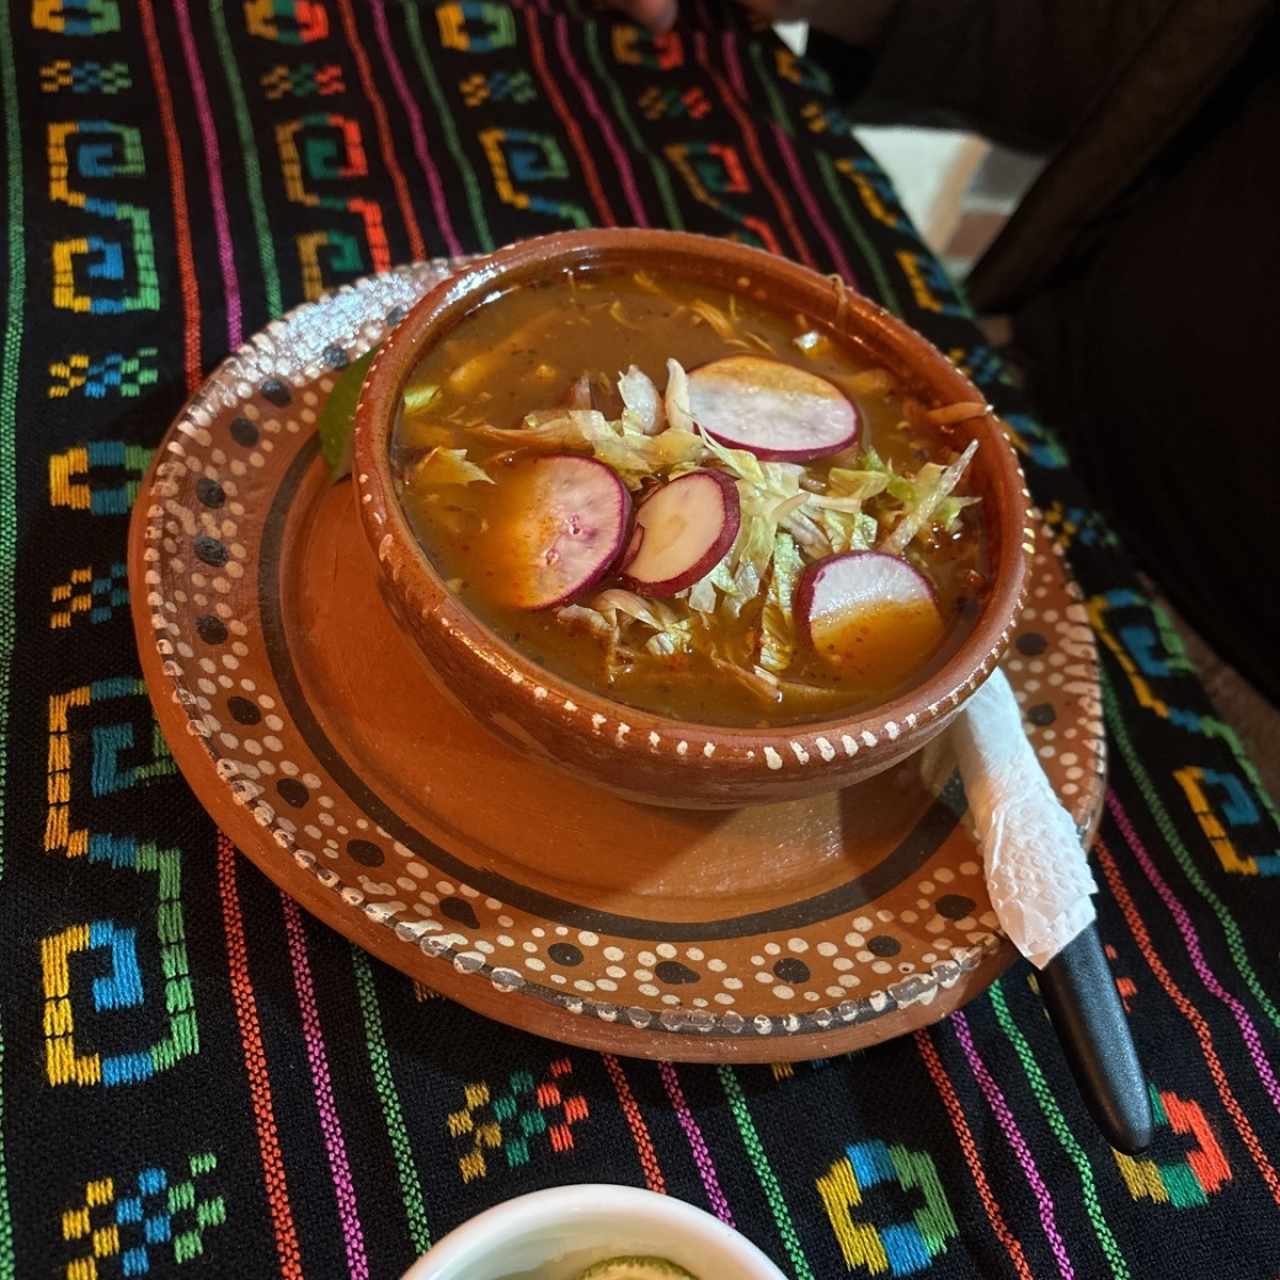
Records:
x=635, y=753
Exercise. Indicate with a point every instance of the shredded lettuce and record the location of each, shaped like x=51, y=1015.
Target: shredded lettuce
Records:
x=788, y=514
x=769, y=493
x=843, y=482
x=420, y=433
x=447, y=466
x=588, y=619
x=631, y=453
x=643, y=410
x=635, y=455
x=702, y=596
x=676, y=397
x=559, y=432
x=419, y=396
x=808, y=534
x=777, y=621
x=612, y=613
x=923, y=497
x=847, y=530
x=627, y=452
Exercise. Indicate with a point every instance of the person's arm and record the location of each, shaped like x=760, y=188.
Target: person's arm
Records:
x=1022, y=72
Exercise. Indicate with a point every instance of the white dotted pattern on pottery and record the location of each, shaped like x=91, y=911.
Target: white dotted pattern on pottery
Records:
x=508, y=947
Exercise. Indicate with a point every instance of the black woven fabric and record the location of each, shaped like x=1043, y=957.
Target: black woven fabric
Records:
x=197, y=1079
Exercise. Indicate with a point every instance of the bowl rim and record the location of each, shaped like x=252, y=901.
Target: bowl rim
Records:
x=387, y=526
x=488, y=1230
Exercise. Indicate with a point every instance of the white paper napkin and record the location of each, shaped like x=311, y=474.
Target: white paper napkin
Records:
x=1037, y=873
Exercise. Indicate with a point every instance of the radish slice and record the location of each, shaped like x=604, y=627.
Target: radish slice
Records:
x=686, y=528
x=558, y=525
x=771, y=409
x=871, y=616
x=633, y=547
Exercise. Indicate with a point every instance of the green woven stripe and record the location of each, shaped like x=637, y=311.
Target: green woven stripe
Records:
x=1062, y=1131
x=9, y=373
x=831, y=180
x=1231, y=930
x=776, y=104
x=380, y=1064
x=252, y=165
x=475, y=201
x=621, y=113
x=764, y=1171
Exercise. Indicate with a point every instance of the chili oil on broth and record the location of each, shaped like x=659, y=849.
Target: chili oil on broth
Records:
x=522, y=350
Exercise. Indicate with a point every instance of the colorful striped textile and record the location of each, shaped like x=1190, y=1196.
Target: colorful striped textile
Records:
x=196, y=1078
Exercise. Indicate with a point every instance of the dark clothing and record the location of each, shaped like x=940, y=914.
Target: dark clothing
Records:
x=1142, y=268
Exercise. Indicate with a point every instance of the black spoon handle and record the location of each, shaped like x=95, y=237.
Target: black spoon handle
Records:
x=1086, y=1012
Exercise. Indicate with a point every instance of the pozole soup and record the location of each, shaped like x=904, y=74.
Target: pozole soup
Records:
x=690, y=502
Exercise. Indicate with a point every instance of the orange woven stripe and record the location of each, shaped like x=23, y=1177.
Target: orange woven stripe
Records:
x=417, y=247
x=178, y=190
x=255, y=1065
x=964, y=1135
x=539, y=60
x=653, y=1178
x=752, y=143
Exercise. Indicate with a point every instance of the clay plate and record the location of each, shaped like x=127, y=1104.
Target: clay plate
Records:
x=306, y=725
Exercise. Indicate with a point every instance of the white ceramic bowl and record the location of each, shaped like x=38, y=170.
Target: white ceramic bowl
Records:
x=588, y=1223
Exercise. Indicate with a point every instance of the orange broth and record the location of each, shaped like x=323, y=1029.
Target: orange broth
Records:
x=521, y=352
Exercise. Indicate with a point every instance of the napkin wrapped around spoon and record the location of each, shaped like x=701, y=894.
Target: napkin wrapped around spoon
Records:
x=1037, y=873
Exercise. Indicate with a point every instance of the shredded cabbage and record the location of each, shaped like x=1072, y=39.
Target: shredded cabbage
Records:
x=768, y=494
x=418, y=397
x=842, y=482
x=777, y=621
x=631, y=453
x=847, y=530
x=448, y=466
x=612, y=613
x=787, y=516
x=643, y=409
x=676, y=397
x=926, y=500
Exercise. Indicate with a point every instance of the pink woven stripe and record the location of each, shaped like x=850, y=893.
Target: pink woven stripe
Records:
x=1248, y=1031
x=421, y=150
x=697, y=1144
x=1013, y=1135
x=330, y=1125
x=626, y=175
x=213, y=166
